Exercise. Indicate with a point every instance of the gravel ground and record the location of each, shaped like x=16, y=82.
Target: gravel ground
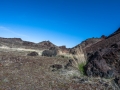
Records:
x=21, y=72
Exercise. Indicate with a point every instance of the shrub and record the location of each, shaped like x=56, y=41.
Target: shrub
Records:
x=81, y=68
x=79, y=61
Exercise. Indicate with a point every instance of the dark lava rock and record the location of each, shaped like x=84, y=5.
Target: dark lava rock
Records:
x=33, y=54
x=104, y=63
x=117, y=80
x=68, y=64
x=89, y=73
x=56, y=67
x=110, y=73
x=83, y=80
x=51, y=52
x=114, y=45
x=106, y=85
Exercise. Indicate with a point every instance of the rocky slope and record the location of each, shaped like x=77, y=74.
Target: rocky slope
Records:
x=83, y=45
x=103, y=58
x=104, y=43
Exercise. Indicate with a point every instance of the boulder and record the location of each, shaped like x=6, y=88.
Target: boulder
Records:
x=51, y=52
x=33, y=54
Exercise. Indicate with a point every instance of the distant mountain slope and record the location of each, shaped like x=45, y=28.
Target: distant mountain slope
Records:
x=19, y=43
x=114, y=38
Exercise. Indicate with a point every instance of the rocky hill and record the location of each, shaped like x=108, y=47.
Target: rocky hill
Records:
x=84, y=44
x=104, y=43
x=103, y=58
x=19, y=43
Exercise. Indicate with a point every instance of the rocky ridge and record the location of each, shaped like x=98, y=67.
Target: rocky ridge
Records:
x=103, y=58
x=19, y=43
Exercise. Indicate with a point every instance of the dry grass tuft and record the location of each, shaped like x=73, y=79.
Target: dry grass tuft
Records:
x=79, y=60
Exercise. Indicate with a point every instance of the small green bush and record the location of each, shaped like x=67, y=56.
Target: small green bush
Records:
x=81, y=68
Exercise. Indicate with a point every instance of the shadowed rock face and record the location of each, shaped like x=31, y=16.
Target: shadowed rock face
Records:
x=104, y=63
x=104, y=57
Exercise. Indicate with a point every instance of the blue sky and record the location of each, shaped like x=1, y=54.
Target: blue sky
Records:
x=63, y=22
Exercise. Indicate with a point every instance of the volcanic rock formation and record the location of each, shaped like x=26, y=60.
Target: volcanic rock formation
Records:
x=103, y=58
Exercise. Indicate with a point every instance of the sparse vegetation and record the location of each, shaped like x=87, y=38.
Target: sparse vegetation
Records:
x=79, y=61
x=81, y=68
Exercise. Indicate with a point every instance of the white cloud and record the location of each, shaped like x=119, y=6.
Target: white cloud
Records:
x=12, y=32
